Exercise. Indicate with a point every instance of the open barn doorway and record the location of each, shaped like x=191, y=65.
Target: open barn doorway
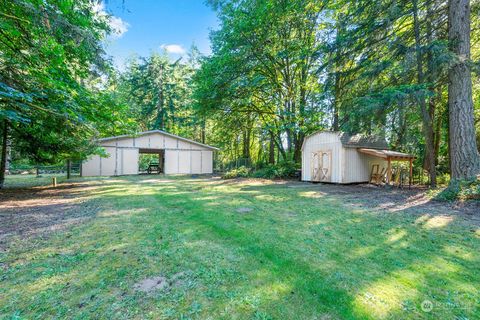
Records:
x=151, y=161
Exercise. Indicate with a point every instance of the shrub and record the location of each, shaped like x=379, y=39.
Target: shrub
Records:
x=240, y=172
x=460, y=190
x=277, y=171
x=282, y=170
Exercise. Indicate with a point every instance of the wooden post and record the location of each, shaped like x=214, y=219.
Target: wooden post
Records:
x=54, y=181
x=69, y=168
x=3, y=160
x=389, y=171
x=411, y=173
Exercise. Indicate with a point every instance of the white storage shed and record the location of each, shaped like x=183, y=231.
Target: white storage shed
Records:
x=176, y=155
x=338, y=157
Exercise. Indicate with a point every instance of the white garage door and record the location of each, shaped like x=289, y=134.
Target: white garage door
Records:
x=91, y=167
x=184, y=162
x=171, y=161
x=129, y=161
x=196, y=161
x=107, y=165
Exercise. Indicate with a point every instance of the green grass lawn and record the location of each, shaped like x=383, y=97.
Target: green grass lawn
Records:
x=295, y=251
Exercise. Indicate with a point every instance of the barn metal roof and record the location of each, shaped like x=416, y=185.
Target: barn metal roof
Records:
x=157, y=131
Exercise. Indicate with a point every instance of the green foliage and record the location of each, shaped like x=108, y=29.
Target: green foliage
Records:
x=283, y=170
x=283, y=69
x=51, y=93
x=460, y=190
x=279, y=70
x=158, y=92
x=240, y=172
x=261, y=81
x=146, y=159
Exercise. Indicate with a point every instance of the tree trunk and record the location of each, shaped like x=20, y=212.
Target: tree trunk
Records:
x=69, y=168
x=337, y=66
x=335, y=125
x=433, y=80
x=427, y=124
x=280, y=148
x=271, y=150
x=246, y=144
x=3, y=159
x=289, y=137
x=9, y=158
x=297, y=154
x=438, y=136
x=403, y=126
x=203, y=131
x=464, y=157
x=161, y=103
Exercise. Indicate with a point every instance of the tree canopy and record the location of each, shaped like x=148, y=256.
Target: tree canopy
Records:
x=51, y=95
x=279, y=70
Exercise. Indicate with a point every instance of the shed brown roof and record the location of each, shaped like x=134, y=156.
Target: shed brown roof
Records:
x=363, y=141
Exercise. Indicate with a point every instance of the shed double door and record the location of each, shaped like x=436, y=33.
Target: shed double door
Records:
x=322, y=166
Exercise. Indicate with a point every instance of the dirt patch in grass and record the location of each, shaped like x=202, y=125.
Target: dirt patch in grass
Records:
x=160, y=283
x=41, y=210
x=152, y=284
x=243, y=210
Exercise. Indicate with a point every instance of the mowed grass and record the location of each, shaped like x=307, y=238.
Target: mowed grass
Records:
x=298, y=254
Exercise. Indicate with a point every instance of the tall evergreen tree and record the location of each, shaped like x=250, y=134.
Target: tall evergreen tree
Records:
x=464, y=156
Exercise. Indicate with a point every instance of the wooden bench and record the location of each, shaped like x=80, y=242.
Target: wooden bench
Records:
x=377, y=176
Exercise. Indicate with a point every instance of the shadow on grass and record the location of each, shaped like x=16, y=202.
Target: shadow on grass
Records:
x=409, y=259
x=320, y=256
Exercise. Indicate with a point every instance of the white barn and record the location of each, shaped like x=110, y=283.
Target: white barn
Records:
x=337, y=157
x=176, y=155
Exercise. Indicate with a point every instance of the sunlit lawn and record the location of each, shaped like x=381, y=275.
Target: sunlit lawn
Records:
x=293, y=253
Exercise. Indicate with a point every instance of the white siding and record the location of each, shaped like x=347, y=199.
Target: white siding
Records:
x=156, y=141
x=124, y=142
x=91, y=166
x=108, y=165
x=184, y=162
x=348, y=165
x=323, y=141
x=358, y=166
x=141, y=142
x=184, y=145
x=196, y=161
x=170, y=143
x=129, y=161
x=207, y=161
x=171, y=161
x=181, y=156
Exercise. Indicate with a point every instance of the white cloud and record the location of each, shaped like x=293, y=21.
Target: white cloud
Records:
x=118, y=26
x=173, y=48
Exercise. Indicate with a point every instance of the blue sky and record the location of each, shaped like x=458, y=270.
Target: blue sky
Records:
x=144, y=26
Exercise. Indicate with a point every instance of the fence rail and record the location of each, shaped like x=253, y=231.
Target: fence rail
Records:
x=40, y=169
